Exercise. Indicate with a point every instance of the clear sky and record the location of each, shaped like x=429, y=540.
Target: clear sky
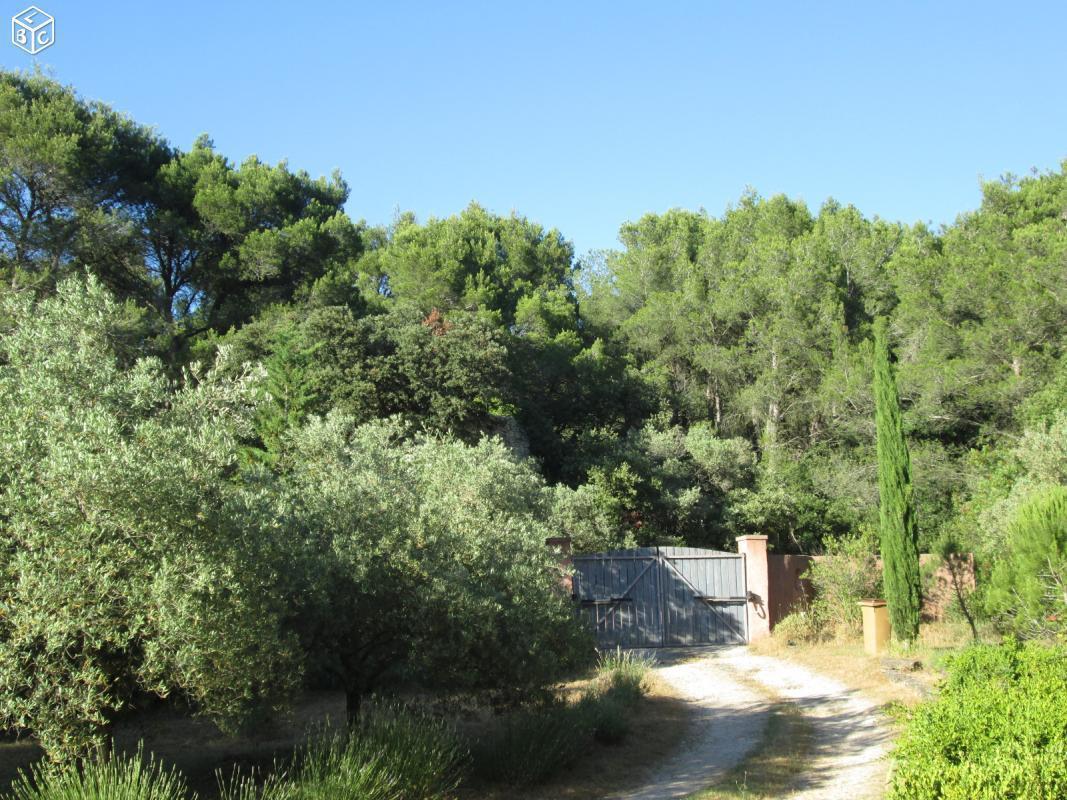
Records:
x=583, y=114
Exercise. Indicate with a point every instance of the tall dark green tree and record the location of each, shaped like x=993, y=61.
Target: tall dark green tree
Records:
x=899, y=532
x=290, y=394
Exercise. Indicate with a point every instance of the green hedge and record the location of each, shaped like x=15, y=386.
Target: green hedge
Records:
x=997, y=731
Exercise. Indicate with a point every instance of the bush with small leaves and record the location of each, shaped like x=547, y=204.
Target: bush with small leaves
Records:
x=997, y=731
x=129, y=557
x=846, y=574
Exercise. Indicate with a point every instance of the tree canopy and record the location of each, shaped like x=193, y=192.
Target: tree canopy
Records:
x=226, y=400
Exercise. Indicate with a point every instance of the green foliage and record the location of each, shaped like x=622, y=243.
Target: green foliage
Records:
x=591, y=517
x=624, y=675
x=422, y=753
x=527, y=747
x=1028, y=590
x=289, y=393
x=111, y=777
x=71, y=175
x=711, y=377
x=391, y=754
x=608, y=715
x=846, y=574
x=898, y=531
x=129, y=560
x=428, y=562
x=444, y=373
x=753, y=326
x=997, y=730
x=799, y=626
x=472, y=260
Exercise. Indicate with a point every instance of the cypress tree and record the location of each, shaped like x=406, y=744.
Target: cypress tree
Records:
x=897, y=526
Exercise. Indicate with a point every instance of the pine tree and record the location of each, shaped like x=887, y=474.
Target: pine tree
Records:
x=289, y=396
x=899, y=532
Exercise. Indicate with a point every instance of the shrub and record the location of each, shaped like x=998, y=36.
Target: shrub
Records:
x=528, y=746
x=1028, y=588
x=997, y=731
x=607, y=715
x=391, y=754
x=799, y=626
x=334, y=766
x=847, y=574
x=109, y=778
x=623, y=675
x=430, y=561
x=589, y=516
x=422, y=753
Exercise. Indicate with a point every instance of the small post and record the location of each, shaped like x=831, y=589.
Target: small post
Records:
x=875, y=626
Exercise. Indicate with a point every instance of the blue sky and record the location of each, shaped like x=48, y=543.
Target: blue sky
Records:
x=582, y=115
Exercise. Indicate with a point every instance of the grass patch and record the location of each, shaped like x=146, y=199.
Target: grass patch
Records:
x=775, y=766
x=527, y=747
x=392, y=753
x=623, y=675
x=657, y=729
x=113, y=777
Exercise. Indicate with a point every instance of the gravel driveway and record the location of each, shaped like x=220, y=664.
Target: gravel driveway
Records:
x=731, y=693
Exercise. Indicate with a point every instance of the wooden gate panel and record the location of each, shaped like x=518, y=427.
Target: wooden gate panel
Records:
x=618, y=594
x=669, y=596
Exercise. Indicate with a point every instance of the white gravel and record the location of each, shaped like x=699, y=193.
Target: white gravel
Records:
x=730, y=714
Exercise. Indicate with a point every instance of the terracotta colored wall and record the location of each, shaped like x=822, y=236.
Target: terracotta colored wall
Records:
x=787, y=589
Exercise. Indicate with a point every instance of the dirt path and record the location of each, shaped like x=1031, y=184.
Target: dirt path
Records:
x=732, y=692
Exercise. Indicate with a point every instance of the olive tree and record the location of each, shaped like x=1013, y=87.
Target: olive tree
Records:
x=428, y=562
x=125, y=566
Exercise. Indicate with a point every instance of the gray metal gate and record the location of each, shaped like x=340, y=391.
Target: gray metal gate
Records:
x=662, y=596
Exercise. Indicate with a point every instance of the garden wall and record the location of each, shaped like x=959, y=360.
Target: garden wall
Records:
x=789, y=590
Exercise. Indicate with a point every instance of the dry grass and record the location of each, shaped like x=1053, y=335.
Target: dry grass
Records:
x=658, y=727
x=196, y=746
x=846, y=661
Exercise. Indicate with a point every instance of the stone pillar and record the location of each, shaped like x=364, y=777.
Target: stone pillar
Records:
x=757, y=578
x=561, y=546
x=876, y=628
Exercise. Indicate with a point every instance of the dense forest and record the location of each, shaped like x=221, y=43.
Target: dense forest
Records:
x=710, y=377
